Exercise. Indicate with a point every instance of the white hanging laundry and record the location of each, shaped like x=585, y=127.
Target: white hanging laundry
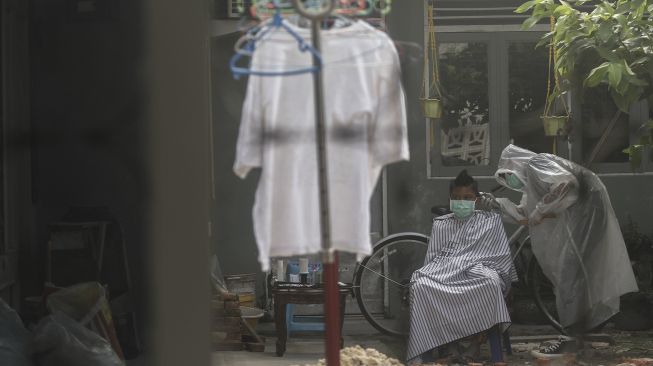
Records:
x=365, y=130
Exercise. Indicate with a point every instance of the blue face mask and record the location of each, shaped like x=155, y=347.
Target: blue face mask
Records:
x=514, y=182
x=462, y=209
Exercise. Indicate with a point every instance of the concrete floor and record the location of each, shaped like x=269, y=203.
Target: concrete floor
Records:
x=308, y=348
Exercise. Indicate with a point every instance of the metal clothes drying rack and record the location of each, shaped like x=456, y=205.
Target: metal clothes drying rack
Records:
x=329, y=256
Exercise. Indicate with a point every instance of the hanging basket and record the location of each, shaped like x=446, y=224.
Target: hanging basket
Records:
x=432, y=107
x=429, y=96
x=555, y=125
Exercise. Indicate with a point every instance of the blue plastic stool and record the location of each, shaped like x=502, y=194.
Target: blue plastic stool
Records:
x=293, y=326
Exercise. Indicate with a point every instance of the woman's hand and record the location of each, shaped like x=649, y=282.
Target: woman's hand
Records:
x=539, y=221
x=523, y=222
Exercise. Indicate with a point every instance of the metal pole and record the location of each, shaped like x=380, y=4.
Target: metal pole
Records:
x=329, y=257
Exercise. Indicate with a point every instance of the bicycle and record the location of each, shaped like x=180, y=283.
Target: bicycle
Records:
x=381, y=280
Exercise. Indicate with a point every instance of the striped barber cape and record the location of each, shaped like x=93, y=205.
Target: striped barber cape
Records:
x=460, y=289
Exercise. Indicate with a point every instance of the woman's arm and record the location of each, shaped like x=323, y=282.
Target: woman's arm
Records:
x=561, y=187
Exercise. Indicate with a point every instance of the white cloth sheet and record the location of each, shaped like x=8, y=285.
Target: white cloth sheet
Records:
x=365, y=130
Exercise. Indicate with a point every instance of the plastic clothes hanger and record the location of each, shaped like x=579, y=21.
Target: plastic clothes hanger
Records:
x=246, y=46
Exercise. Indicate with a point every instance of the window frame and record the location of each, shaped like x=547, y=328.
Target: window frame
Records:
x=432, y=158
x=498, y=96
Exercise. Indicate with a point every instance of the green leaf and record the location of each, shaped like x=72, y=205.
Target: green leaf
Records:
x=597, y=75
x=614, y=74
x=622, y=87
x=641, y=61
x=641, y=9
x=636, y=158
x=562, y=10
x=605, y=32
x=620, y=100
x=627, y=68
x=635, y=155
x=530, y=22
x=606, y=7
x=621, y=19
x=545, y=40
x=525, y=7
x=607, y=54
x=580, y=47
x=624, y=6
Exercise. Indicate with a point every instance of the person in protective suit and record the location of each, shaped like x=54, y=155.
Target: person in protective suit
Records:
x=575, y=237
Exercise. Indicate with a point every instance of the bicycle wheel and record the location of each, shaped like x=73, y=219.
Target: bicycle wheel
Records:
x=381, y=281
x=543, y=294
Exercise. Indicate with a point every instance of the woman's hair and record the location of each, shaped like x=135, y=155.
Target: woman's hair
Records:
x=463, y=180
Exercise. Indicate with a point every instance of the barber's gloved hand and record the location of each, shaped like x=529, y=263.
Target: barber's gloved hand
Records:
x=487, y=202
x=535, y=218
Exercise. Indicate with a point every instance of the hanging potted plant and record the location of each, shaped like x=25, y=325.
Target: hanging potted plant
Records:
x=554, y=124
x=431, y=95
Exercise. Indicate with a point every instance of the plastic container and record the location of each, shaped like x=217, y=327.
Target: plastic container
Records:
x=432, y=107
x=554, y=125
x=241, y=283
x=251, y=315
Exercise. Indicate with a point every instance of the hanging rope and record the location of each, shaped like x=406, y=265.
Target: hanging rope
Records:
x=553, y=61
x=547, y=101
x=433, y=53
x=556, y=75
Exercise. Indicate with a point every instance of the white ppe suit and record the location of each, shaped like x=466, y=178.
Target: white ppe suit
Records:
x=581, y=249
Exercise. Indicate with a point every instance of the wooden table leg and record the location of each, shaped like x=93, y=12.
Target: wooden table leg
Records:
x=280, y=320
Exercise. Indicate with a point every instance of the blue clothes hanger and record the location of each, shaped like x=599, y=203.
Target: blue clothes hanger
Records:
x=256, y=35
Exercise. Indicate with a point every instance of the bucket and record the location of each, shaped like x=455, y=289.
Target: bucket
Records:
x=554, y=125
x=432, y=107
x=251, y=315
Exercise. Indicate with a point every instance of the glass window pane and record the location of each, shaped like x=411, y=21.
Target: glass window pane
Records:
x=464, y=136
x=527, y=88
x=598, y=109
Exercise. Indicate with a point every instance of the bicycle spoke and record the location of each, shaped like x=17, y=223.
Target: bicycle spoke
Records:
x=384, y=276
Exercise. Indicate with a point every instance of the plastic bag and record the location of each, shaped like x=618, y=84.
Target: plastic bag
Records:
x=15, y=340
x=87, y=304
x=81, y=302
x=61, y=341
